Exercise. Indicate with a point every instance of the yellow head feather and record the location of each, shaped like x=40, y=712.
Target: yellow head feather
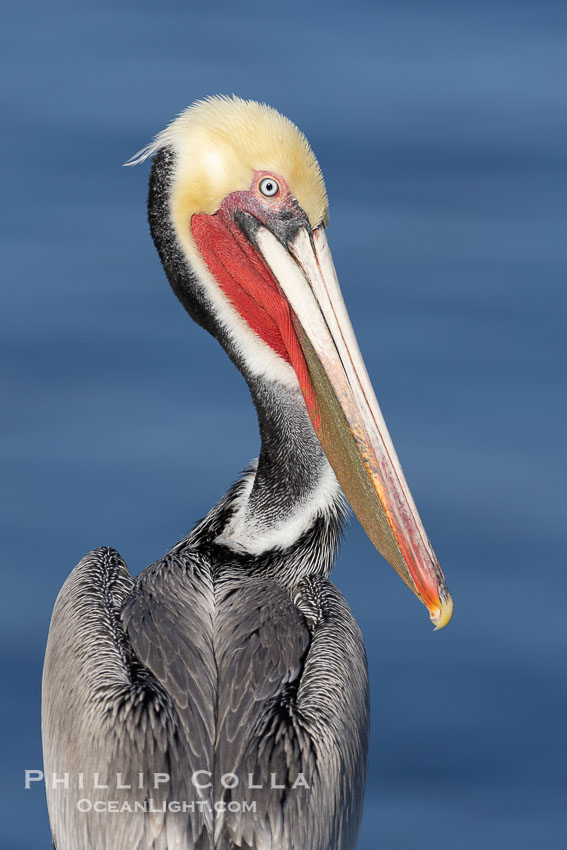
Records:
x=220, y=141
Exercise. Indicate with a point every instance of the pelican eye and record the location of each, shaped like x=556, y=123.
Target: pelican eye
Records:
x=269, y=187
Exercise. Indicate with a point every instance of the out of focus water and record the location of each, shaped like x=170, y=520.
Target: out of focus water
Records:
x=441, y=129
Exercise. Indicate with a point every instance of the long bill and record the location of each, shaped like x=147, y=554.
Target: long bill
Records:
x=349, y=423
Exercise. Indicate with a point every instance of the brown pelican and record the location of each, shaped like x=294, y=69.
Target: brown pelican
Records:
x=220, y=699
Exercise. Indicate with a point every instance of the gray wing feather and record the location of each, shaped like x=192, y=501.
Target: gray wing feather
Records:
x=170, y=674
x=168, y=621
x=292, y=704
x=105, y=713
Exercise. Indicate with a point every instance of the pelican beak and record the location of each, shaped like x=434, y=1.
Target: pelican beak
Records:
x=346, y=415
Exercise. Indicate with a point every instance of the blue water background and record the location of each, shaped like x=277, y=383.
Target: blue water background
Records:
x=441, y=130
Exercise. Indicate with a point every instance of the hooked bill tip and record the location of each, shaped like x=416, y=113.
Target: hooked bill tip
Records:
x=441, y=614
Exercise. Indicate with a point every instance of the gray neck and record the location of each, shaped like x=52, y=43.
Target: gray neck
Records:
x=285, y=515
x=292, y=483
x=292, y=465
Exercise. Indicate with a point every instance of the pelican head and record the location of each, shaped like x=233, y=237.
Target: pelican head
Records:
x=238, y=211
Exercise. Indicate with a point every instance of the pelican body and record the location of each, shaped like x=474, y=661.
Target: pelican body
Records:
x=220, y=698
